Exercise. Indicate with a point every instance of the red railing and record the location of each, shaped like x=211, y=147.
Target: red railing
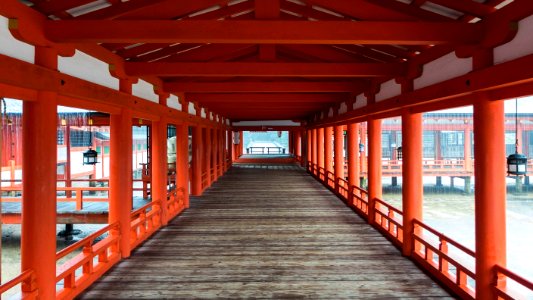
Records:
x=431, y=250
x=176, y=202
x=330, y=179
x=79, y=198
x=26, y=280
x=510, y=286
x=145, y=221
x=77, y=273
x=343, y=189
x=360, y=199
x=390, y=221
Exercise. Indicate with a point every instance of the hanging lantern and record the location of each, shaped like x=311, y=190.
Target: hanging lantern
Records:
x=399, y=153
x=279, y=134
x=361, y=147
x=90, y=157
x=516, y=163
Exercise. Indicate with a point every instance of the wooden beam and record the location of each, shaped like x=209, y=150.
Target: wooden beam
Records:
x=277, y=98
x=263, y=32
x=266, y=69
x=262, y=86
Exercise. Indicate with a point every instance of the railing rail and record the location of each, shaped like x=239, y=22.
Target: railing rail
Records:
x=176, y=202
x=390, y=221
x=145, y=221
x=518, y=288
x=79, y=272
x=434, y=255
x=26, y=280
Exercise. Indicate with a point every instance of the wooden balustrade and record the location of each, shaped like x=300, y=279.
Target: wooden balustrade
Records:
x=433, y=253
x=145, y=221
x=95, y=258
x=510, y=286
x=390, y=221
x=78, y=197
x=28, y=288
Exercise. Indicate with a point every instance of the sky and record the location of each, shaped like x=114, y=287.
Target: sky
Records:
x=525, y=105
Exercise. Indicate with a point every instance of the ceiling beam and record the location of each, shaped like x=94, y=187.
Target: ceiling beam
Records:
x=263, y=32
x=278, y=98
x=255, y=69
x=262, y=86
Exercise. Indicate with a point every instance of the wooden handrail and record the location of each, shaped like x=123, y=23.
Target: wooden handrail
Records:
x=88, y=240
x=444, y=237
x=21, y=278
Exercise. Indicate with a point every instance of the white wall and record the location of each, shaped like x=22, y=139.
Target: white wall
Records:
x=521, y=45
x=388, y=89
x=89, y=68
x=443, y=68
x=12, y=47
x=145, y=90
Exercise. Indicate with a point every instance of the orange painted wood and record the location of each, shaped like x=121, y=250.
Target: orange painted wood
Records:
x=159, y=165
x=320, y=148
x=339, y=152
x=120, y=179
x=264, y=32
x=260, y=86
x=490, y=193
x=38, y=244
x=412, y=169
x=352, y=154
x=197, y=160
x=374, y=166
x=232, y=69
x=328, y=148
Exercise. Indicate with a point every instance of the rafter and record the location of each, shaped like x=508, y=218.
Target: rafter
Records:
x=265, y=69
x=278, y=98
x=265, y=86
x=264, y=32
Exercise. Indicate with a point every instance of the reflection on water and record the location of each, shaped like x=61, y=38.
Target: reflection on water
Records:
x=453, y=215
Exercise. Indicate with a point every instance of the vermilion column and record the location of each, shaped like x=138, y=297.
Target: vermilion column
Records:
x=197, y=161
x=490, y=193
x=412, y=191
x=374, y=166
x=214, y=153
x=120, y=178
x=38, y=239
x=328, y=149
x=291, y=142
x=320, y=147
x=207, y=156
x=339, y=155
x=229, y=143
x=298, y=144
x=182, y=160
x=221, y=152
x=159, y=165
x=314, y=148
x=309, y=147
x=352, y=152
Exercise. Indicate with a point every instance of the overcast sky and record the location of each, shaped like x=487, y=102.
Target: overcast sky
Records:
x=525, y=105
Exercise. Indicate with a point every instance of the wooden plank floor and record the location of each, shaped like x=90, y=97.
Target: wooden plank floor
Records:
x=266, y=232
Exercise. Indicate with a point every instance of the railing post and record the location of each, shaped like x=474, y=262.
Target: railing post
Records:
x=412, y=191
x=339, y=155
x=374, y=167
x=120, y=167
x=38, y=238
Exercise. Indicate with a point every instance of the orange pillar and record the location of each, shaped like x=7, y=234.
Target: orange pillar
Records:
x=374, y=166
x=339, y=155
x=320, y=147
x=214, y=153
x=221, y=152
x=38, y=240
x=197, y=158
x=412, y=192
x=328, y=149
x=182, y=161
x=120, y=177
x=159, y=165
x=490, y=193
x=353, y=152
x=309, y=154
x=207, y=156
x=229, y=143
x=298, y=144
x=314, y=148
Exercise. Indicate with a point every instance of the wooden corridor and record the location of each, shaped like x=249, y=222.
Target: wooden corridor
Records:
x=266, y=232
